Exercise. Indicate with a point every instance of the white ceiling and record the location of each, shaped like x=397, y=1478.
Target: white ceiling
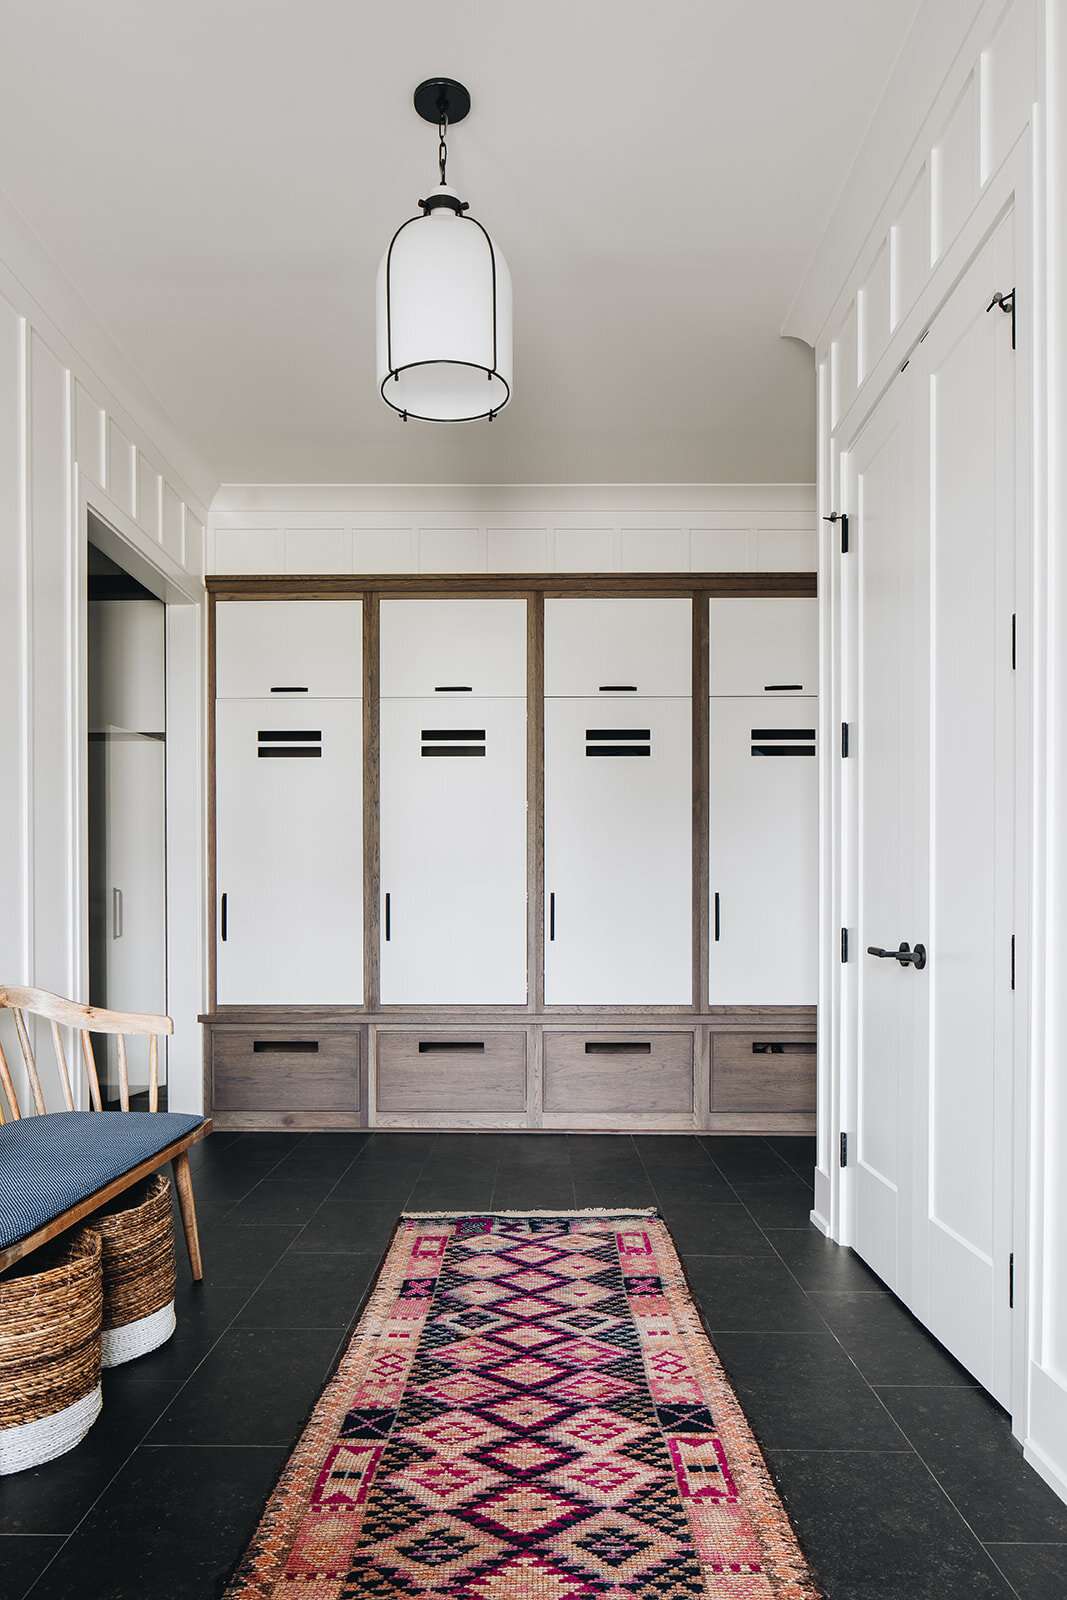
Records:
x=219, y=177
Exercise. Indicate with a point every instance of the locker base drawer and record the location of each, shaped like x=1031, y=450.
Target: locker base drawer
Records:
x=763, y=1072
x=285, y=1073
x=463, y=1071
x=618, y=1074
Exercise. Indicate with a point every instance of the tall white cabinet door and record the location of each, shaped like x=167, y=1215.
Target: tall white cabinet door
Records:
x=453, y=648
x=618, y=852
x=289, y=822
x=768, y=645
x=618, y=648
x=764, y=852
x=453, y=852
x=288, y=648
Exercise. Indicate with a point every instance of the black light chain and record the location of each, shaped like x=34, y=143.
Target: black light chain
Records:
x=442, y=147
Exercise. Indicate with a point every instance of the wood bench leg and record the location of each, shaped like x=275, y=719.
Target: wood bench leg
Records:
x=183, y=1179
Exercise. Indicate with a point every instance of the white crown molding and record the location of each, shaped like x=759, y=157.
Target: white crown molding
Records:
x=505, y=497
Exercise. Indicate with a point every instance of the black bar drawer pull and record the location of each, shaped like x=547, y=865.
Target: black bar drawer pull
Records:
x=286, y=1047
x=288, y=688
x=783, y=1047
x=224, y=917
x=618, y=1047
x=618, y=688
x=433, y=1047
x=453, y=688
x=781, y=688
x=388, y=918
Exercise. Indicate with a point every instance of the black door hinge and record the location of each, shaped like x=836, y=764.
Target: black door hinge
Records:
x=844, y=740
x=842, y=518
x=844, y=1150
x=844, y=944
x=1011, y=1281
x=1013, y=961
x=1014, y=640
x=1006, y=302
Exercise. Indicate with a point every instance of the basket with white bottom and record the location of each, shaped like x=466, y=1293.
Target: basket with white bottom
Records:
x=50, y=1310
x=137, y=1234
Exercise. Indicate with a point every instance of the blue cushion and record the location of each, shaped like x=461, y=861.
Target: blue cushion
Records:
x=48, y=1164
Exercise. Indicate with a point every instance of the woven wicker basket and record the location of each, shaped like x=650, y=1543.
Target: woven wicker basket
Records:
x=137, y=1233
x=50, y=1311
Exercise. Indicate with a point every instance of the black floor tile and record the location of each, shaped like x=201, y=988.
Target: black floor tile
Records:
x=276, y=1201
x=310, y=1161
x=750, y=1294
x=171, y=1527
x=255, y=1388
x=234, y=1254
x=761, y=1359
x=204, y=1311
x=535, y=1192
x=22, y=1559
x=630, y=1190
x=819, y=1413
x=311, y=1291
x=698, y=1184
x=350, y=1227
x=378, y=1181
x=817, y=1263
x=747, y=1160
x=454, y=1193
x=715, y=1229
x=886, y=1343
x=966, y=1441
x=875, y=1526
x=1038, y=1571
x=778, y=1203
x=799, y=1150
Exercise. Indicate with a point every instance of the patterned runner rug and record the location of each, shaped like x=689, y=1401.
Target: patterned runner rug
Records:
x=529, y=1410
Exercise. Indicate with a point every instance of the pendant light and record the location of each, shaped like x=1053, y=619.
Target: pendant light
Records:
x=444, y=297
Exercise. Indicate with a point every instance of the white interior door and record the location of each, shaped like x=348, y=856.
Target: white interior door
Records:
x=289, y=824
x=618, y=852
x=763, y=800
x=453, y=852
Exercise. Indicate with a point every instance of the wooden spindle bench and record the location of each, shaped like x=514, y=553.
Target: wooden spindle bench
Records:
x=57, y=1167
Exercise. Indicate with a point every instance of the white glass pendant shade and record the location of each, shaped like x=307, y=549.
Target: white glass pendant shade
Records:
x=444, y=318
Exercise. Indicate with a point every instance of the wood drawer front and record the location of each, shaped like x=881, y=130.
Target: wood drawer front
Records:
x=290, y=1070
x=762, y=1072
x=618, y=1072
x=462, y=1070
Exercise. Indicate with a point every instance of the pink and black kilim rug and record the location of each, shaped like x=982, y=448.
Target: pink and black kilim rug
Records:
x=528, y=1410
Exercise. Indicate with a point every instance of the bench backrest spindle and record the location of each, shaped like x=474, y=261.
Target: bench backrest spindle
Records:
x=85, y=1020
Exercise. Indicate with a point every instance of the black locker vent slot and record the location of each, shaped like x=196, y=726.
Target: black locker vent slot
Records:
x=618, y=1047
x=453, y=741
x=618, y=741
x=289, y=742
x=783, y=741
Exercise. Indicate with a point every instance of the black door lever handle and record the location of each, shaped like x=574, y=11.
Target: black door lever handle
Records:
x=904, y=954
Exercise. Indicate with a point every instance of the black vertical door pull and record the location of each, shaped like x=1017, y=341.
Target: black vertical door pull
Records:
x=388, y=918
x=224, y=918
x=716, y=916
x=551, y=917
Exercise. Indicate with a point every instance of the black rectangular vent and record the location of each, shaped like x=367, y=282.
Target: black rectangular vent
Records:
x=783, y=741
x=289, y=742
x=618, y=741
x=453, y=741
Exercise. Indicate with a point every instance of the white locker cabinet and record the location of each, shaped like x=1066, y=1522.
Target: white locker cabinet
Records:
x=618, y=852
x=288, y=648
x=618, y=648
x=763, y=864
x=453, y=852
x=453, y=649
x=289, y=824
x=768, y=645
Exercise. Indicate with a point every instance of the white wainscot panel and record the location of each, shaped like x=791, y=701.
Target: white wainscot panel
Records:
x=89, y=435
x=722, y=549
x=172, y=525
x=119, y=467
x=517, y=549
x=148, y=485
x=452, y=550
x=844, y=364
x=248, y=550
x=585, y=550
x=318, y=550
x=194, y=544
x=910, y=243
x=874, y=303
x=654, y=550
x=1010, y=82
x=955, y=169
x=13, y=792
x=384, y=550
x=790, y=548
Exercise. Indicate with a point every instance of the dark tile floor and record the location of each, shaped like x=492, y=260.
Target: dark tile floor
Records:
x=900, y=1474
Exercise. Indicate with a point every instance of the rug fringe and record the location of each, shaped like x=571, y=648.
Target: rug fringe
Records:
x=542, y=1211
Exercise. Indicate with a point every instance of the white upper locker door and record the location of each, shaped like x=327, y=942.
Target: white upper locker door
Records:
x=453, y=851
x=618, y=648
x=763, y=646
x=453, y=648
x=290, y=852
x=288, y=648
x=764, y=854
x=618, y=852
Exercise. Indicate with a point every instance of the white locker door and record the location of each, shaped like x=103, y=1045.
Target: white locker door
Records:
x=764, y=852
x=768, y=645
x=292, y=649
x=618, y=852
x=618, y=648
x=135, y=919
x=453, y=852
x=462, y=649
x=289, y=823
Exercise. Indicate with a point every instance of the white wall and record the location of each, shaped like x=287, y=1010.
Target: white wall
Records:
x=76, y=429
x=379, y=528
